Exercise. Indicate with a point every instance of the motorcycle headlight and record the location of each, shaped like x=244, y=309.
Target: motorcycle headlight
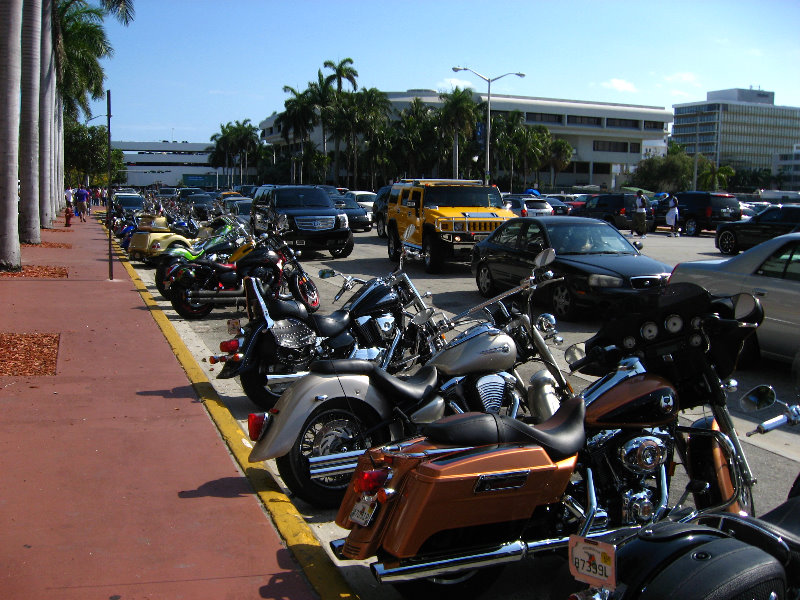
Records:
x=605, y=281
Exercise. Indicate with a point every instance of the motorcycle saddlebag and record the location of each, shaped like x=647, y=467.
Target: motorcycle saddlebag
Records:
x=721, y=569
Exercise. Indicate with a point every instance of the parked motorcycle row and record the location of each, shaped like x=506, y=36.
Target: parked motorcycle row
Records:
x=446, y=465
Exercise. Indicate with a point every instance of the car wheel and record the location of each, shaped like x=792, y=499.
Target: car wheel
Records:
x=393, y=245
x=485, y=282
x=690, y=227
x=345, y=251
x=431, y=254
x=563, y=302
x=727, y=243
x=380, y=226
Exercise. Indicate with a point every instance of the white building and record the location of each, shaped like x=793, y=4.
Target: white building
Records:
x=171, y=164
x=608, y=139
x=787, y=164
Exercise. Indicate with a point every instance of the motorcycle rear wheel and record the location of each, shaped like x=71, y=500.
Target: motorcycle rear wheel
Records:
x=331, y=428
x=304, y=291
x=457, y=586
x=160, y=276
x=253, y=385
x=186, y=308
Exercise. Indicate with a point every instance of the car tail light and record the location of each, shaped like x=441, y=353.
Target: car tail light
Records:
x=255, y=425
x=708, y=211
x=524, y=212
x=229, y=345
x=621, y=211
x=369, y=482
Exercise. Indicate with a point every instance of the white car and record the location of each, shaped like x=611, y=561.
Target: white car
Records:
x=524, y=205
x=771, y=272
x=365, y=200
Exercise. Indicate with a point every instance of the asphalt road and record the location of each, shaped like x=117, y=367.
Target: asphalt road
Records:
x=773, y=457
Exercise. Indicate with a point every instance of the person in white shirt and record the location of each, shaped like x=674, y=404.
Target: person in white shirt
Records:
x=640, y=215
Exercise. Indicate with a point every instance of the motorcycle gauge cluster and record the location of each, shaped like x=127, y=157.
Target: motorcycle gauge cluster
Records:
x=673, y=323
x=649, y=331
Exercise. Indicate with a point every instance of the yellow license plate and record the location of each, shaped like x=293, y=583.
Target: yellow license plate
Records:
x=592, y=562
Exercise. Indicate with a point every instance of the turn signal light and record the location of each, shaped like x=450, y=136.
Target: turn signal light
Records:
x=369, y=482
x=229, y=346
x=255, y=425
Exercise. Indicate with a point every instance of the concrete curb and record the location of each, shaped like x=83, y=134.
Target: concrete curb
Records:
x=323, y=575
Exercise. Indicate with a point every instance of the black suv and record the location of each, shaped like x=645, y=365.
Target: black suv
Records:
x=379, y=210
x=314, y=221
x=698, y=211
x=769, y=223
x=615, y=209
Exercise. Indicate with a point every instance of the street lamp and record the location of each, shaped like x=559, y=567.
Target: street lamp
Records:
x=488, y=81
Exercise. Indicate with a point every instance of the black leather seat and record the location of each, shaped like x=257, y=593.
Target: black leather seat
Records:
x=331, y=325
x=282, y=309
x=561, y=435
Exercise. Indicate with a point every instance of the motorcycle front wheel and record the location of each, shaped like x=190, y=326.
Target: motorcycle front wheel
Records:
x=188, y=309
x=304, y=291
x=330, y=429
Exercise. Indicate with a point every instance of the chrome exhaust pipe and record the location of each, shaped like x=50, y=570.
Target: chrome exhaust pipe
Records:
x=285, y=378
x=211, y=294
x=329, y=465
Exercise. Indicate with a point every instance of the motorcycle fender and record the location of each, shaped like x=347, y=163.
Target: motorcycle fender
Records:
x=305, y=395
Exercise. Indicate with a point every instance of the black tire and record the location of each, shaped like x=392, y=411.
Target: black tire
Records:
x=185, y=308
x=431, y=254
x=380, y=226
x=728, y=244
x=161, y=275
x=252, y=382
x=305, y=291
x=485, y=281
x=562, y=301
x=332, y=427
x=393, y=244
x=457, y=586
x=346, y=250
x=691, y=227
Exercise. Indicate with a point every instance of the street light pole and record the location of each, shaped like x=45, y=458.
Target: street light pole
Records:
x=488, y=81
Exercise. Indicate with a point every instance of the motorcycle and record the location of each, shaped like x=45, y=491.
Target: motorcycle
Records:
x=705, y=554
x=447, y=510
x=196, y=287
x=323, y=422
x=280, y=340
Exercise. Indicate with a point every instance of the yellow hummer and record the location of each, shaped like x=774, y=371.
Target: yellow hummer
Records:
x=448, y=215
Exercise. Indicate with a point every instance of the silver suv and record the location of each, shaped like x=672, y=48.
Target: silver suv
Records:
x=524, y=205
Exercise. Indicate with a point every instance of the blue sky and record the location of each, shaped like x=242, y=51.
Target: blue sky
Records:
x=184, y=67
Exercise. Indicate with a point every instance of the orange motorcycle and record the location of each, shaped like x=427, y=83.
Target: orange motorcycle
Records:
x=448, y=509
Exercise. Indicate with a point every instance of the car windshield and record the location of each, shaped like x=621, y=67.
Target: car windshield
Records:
x=587, y=238
x=724, y=202
x=201, y=199
x=130, y=201
x=536, y=204
x=365, y=197
x=463, y=195
x=347, y=202
x=302, y=198
x=241, y=208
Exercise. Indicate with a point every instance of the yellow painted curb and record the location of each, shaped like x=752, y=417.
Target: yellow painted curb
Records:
x=315, y=562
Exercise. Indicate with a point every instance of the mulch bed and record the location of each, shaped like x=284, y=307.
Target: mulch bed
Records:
x=28, y=354
x=59, y=230
x=46, y=245
x=38, y=271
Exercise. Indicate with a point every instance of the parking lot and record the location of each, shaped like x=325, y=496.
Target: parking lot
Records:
x=773, y=460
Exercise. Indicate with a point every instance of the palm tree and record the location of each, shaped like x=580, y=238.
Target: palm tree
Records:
x=299, y=118
x=10, y=84
x=413, y=134
x=505, y=128
x=323, y=96
x=714, y=177
x=560, y=158
x=374, y=108
x=458, y=117
x=342, y=71
x=29, y=123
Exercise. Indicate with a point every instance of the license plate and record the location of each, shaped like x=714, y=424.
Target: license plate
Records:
x=363, y=512
x=234, y=326
x=592, y=562
x=300, y=242
x=480, y=236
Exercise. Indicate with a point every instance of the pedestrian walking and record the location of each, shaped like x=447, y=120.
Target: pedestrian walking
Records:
x=640, y=215
x=68, y=193
x=672, y=215
x=81, y=198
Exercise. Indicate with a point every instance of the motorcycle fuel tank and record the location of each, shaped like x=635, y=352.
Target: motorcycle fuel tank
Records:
x=641, y=400
x=374, y=296
x=478, y=349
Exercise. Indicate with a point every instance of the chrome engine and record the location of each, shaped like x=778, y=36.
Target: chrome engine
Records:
x=377, y=329
x=493, y=389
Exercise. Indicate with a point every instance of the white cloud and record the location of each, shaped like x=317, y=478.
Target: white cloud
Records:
x=453, y=82
x=679, y=93
x=619, y=85
x=684, y=77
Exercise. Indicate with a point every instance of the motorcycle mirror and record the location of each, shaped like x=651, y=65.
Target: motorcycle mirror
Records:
x=327, y=273
x=575, y=353
x=422, y=317
x=744, y=305
x=545, y=323
x=759, y=398
x=545, y=257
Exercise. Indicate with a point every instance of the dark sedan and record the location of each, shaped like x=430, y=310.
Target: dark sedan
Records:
x=600, y=267
x=357, y=215
x=769, y=223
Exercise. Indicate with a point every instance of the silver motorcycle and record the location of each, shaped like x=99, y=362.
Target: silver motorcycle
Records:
x=324, y=421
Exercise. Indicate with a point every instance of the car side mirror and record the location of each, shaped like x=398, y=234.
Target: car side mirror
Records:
x=637, y=244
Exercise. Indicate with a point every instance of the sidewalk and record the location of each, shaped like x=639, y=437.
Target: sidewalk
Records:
x=114, y=481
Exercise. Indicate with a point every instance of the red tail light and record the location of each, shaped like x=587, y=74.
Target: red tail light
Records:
x=708, y=211
x=255, y=425
x=622, y=211
x=369, y=482
x=524, y=212
x=229, y=346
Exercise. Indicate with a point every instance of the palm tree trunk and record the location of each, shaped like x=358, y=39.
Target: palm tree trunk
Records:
x=10, y=84
x=455, y=154
x=46, y=110
x=29, y=123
